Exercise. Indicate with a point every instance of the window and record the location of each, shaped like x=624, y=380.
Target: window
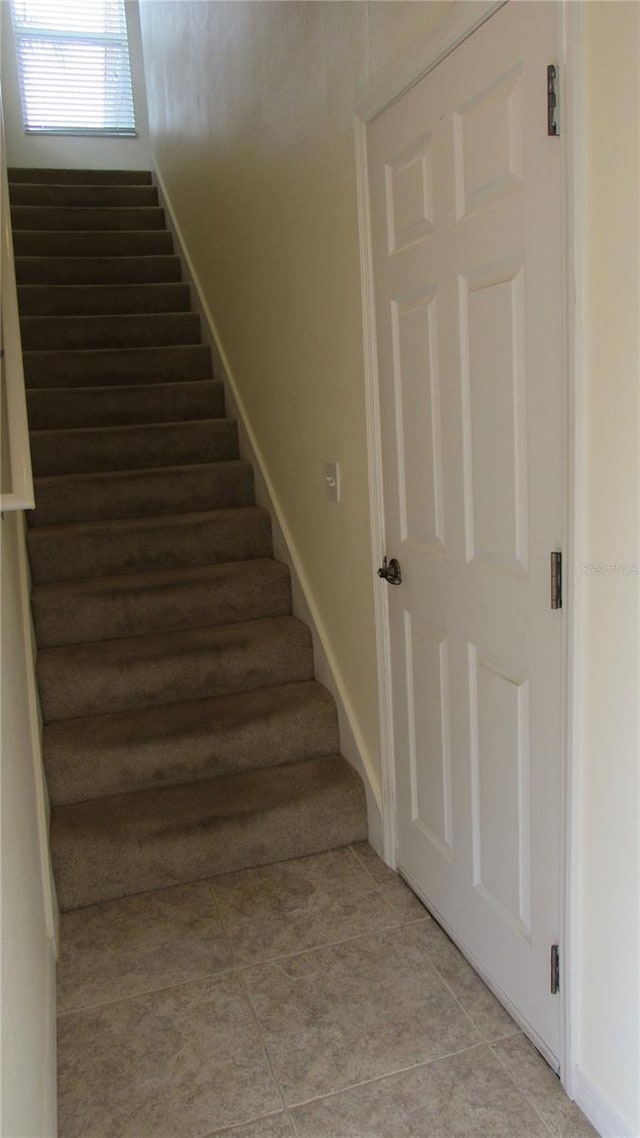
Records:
x=73, y=62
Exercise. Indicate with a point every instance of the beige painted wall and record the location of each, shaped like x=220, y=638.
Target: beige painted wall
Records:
x=61, y=151
x=251, y=110
x=609, y=805
x=28, y=986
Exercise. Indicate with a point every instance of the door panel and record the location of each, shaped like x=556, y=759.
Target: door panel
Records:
x=465, y=196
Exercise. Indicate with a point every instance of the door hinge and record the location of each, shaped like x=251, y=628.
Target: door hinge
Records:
x=553, y=126
x=556, y=580
x=555, y=969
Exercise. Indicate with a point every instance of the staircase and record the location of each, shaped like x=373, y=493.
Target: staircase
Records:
x=184, y=733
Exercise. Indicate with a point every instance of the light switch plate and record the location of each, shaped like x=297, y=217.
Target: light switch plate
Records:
x=332, y=480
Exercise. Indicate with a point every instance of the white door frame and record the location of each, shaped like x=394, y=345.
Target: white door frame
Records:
x=378, y=95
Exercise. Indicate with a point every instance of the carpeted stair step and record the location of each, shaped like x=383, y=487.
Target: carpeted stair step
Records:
x=137, y=604
x=52, y=194
x=114, y=847
x=147, y=671
x=69, y=243
x=44, y=333
x=133, y=447
x=141, y=493
x=44, y=176
x=71, y=552
x=184, y=734
x=90, y=300
x=58, y=407
x=97, y=270
x=191, y=741
x=87, y=218
x=169, y=364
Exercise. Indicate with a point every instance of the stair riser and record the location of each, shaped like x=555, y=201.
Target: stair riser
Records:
x=81, y=219
x=84, y=498
x=43, y=195
x=98, y=679
x=46, y=333
x=20, y=175
x=97, y=270
x=133, y=448
x=69, y=554
x=58, y=408
x=45, y=243
x=188, y=742
x=88, y=300
x=112, y=608
x=171, y=364
x=288, y=812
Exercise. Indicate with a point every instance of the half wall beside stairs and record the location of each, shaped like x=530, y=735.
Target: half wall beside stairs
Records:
x=185, y=735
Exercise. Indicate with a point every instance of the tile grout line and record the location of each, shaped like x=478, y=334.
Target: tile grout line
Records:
x=292, y=1123
x=387, y=1075
x=363, y=865
x=328, y=944
x=238, y=968
x=360, y=861
x=525, y=1094
x=482, y=1034
x=247, y=997
x=237, y=1126
x=263, y=1042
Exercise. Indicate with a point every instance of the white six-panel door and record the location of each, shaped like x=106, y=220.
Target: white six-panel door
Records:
x=466, y=215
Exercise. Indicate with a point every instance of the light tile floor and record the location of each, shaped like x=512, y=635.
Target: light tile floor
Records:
x=314, y=998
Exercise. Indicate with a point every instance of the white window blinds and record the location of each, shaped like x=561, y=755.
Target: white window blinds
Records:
x=73, y=61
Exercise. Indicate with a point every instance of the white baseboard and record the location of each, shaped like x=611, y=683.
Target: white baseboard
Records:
x=601, y=1113
x=327, y=670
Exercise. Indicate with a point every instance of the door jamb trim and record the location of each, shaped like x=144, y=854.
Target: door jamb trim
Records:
x=571, y=31
x=380, y=94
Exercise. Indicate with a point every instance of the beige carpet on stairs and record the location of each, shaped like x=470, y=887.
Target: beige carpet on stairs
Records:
x=184, y=733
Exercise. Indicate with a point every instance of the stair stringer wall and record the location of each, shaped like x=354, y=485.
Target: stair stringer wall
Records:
x=327, y=669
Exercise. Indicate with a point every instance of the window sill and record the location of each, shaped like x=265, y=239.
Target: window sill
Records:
x=70, y=133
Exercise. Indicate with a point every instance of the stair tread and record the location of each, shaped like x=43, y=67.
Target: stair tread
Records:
x=132, y=582
x=197, y=739
x=125, y=389
x=83, y=219
x=126, y=429
x=44, y=175
x=132, y=446
x=168, y=667
x=121, y=330
x=132, y=473
x=95, y=609
x=68, y=408
x=157, y=644
x=121, y=299
x=136, y=269
x=145, y=491
x=121, y=526
x=116, y=365
x=130, y=843
x=91, y=243
x=100, y=287
x=59, y=194
x=68, y=550
x=91, y=317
